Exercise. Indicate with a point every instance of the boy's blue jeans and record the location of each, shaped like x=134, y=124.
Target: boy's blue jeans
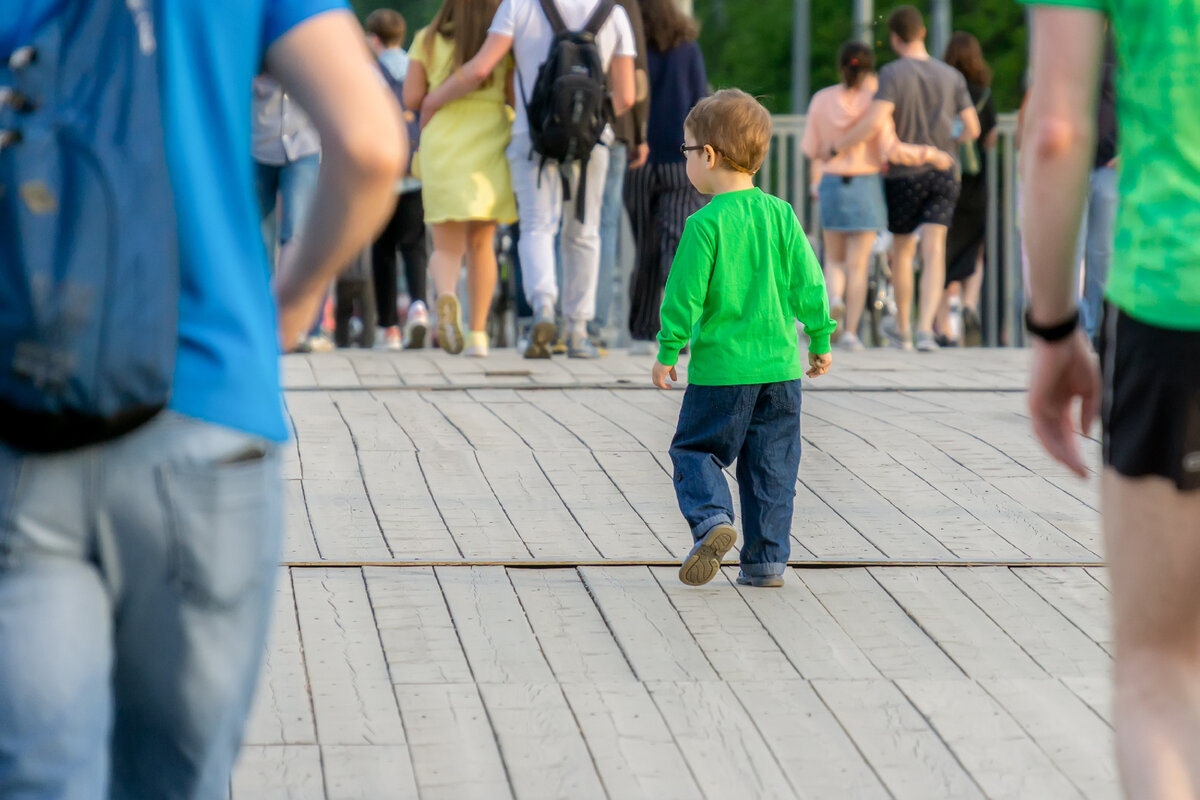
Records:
x=757, y=425
x=135, y=592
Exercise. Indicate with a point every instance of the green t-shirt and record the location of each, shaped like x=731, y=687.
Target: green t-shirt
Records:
x=743, y=274
x=1155, y=275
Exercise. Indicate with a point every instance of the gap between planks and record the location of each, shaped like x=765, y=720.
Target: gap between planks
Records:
x=804, y=564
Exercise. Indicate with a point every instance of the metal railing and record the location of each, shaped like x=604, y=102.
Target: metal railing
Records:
x=786, y=174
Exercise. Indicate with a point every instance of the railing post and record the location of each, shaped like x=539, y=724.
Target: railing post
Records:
x=991, y=256
x=801, y=54
x=864, y=21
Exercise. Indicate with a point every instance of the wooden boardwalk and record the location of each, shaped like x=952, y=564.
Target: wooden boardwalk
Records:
x=479, y=601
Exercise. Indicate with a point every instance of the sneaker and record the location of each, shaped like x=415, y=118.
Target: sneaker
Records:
x=581, y=347
x=450, y=335
x=391, y=338
x=944, y=341
x=416, y=327
x=642, y=347
x=897, y=338
x=704, y=561
x=542, y=334
x=477, y=344
x=318, y=344
x=972, y=328
x=760, y=581
x=838, y=312
x=851, y=343
x=559, y=348
x=926, y=343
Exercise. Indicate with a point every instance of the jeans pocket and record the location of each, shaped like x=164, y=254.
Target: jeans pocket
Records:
x=223, y=524
x=785, y=397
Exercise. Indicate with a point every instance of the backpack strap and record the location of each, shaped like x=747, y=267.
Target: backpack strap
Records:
x=555, y=18
x=599, y=17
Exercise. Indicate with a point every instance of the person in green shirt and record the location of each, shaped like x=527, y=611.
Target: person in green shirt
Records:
x=743, y=274
x=1150, y=348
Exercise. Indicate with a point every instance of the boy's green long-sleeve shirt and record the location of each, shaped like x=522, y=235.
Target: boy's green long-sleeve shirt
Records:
x=743, y=274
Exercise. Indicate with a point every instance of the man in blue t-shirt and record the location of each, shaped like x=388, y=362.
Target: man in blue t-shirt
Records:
x=136, y=576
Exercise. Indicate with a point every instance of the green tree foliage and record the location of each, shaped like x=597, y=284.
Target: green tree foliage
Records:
x=747, y=43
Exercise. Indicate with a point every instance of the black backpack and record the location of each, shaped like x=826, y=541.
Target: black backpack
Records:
x=570, y=106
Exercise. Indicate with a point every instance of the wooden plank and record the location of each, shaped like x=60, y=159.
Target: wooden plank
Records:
x=537, y=429
x=735, y=642
x=594, y=430
x=495, y=635
x=796, y=619
x=1096, y=692
x=326, y=448
x=418, y=636
x=976, y=644
x=281, y=712
x=281, y=772
x=650, y=492
x=375, y=368
x=543, y=521
x=371, y=424
x=296, y=373
x=906, y=754
x=1034, y=536
x=368, y=772
x=351, y=691
x=299, y=542
x=652, y=432
x=638, y=611
x=993, y=748
x=409, y=518
x=726, y=753
x=629, y=741
x=810, y=745
x=612, y=525
x=880, y=628
x=1080, y=599
x=569, y=628
x=343, y=520
x=1064, y=512
x=540, y=741
x=333, y=369
x=1041, y=631
x=454, y=751
x=470, y=509
x=1077, y=740
x=483, y=429
x=820, y=529
x=427, y=427
x=1101, y=575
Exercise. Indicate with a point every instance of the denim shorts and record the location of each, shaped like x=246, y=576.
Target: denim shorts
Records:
x=852, y=203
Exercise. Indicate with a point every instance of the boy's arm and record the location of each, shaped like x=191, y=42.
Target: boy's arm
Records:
x=687, y=286
x=810, y=302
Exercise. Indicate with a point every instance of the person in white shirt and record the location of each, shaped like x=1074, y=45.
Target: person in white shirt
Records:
x=521, y=26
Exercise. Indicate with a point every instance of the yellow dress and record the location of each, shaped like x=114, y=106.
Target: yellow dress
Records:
x=461, y=162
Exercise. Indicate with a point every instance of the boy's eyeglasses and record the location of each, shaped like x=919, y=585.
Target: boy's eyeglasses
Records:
x=685, y=147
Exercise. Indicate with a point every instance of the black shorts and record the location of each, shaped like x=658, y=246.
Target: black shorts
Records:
x=1151, y=399
x=915, y=200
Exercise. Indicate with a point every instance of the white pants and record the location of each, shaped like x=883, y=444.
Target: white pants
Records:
x=544, y=215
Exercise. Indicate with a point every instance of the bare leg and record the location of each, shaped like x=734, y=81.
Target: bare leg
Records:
x=481, y=271
x=449, y=247
x=933, y=274
x=904, y=248
x=858, y=261
x=835, y=265
x=973, y=286
x=942, y=321
x=1153, y=538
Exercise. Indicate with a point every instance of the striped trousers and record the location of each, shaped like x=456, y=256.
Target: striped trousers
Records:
x=659, y=198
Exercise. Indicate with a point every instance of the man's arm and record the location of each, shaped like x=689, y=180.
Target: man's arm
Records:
x=624, y=84
x=1056, y=159
x=971, y=128
x=865, y=128
x=469, y=77
x=323, y=64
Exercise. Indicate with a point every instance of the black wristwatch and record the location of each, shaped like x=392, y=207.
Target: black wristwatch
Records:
x=1052, y=333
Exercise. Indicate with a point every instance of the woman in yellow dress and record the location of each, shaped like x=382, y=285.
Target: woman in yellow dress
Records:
x=464, y=176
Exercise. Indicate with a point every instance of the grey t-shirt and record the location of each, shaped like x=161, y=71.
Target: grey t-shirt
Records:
x=928, y=95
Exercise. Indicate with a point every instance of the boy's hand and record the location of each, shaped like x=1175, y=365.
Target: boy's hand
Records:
x=660, y=373
x=819, y=364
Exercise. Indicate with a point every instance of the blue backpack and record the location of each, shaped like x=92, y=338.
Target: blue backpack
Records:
x=89, y=272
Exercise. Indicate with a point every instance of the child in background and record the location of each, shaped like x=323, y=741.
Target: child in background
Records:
x=744, y=273
x=464, y=175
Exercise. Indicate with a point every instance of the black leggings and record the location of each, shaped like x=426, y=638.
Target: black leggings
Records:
x=405, y=232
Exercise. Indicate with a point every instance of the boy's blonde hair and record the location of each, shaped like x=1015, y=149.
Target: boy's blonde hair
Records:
x=735, y=125
x=389, y=25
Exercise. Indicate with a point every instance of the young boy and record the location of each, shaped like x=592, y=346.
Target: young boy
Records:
x=743, y=275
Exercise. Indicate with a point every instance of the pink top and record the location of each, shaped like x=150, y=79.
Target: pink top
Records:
x=835, y=110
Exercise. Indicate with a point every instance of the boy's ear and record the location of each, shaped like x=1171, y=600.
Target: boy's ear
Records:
x=711, y=159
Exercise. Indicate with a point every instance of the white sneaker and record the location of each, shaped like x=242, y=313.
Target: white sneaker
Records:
x=926, y=343
x=851, y=343
x=416, y=328
x=477, y=344
x=389, y=338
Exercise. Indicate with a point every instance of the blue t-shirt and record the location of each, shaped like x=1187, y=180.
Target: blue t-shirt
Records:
x=227, y=370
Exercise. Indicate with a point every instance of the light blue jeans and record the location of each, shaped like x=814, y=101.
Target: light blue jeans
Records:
x=135, y=591
x=285, y=194
x=1100, y=218
x=610, y=230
